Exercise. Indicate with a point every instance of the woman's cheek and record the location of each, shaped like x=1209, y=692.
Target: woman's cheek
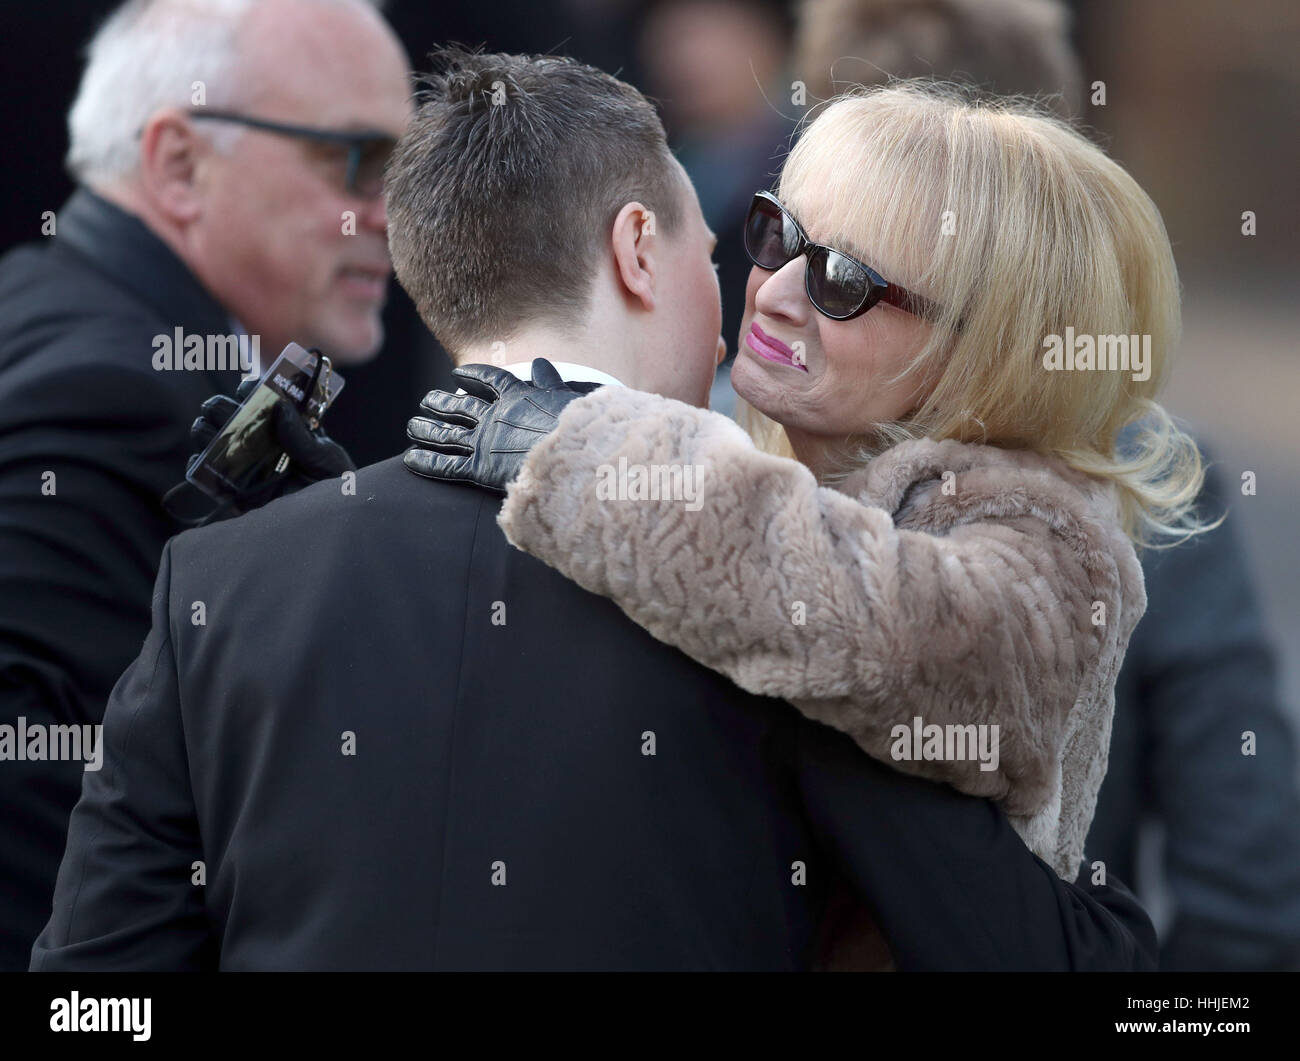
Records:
x=755, y=281
x=835, y=350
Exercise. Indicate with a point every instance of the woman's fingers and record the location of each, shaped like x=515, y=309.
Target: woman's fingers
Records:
x=488, y=382
x=462, y=410
x=434, y=465
x=438, y=436
x=545, y=374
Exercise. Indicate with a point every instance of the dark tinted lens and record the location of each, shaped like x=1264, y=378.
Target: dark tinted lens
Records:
x=837, y=285
x=374, y=154
x=770, y=242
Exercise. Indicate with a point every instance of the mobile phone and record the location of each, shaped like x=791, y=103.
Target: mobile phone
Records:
x=246, y=453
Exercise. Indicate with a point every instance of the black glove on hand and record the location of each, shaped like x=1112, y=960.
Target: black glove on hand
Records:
x=484, y=435
x=313, y=455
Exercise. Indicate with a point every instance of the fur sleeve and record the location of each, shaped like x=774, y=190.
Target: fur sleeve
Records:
x=801, y=592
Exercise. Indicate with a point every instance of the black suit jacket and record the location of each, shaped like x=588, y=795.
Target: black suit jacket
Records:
x=394, y=742
x=79, y=398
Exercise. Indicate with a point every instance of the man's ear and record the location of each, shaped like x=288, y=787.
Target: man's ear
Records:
x=170, y=153
x=635, y=242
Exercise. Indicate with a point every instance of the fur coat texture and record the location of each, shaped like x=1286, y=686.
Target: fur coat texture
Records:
x=958, y=584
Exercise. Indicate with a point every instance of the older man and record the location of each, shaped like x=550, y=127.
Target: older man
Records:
x=230, y=160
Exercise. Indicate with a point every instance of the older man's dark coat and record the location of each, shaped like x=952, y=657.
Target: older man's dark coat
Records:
x=91, y=437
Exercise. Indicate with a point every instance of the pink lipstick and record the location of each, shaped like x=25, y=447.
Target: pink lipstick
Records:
x=765, y=346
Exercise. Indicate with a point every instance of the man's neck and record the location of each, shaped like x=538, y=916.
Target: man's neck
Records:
x=569, y=371
x=575, y=350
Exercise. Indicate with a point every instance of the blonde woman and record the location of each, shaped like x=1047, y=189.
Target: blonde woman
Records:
x=934, y=533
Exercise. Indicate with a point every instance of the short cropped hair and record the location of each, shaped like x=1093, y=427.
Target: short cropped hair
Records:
x=505, y=186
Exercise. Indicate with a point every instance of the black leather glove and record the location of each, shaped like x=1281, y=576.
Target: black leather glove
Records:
x=484, y=435
x=313, y=455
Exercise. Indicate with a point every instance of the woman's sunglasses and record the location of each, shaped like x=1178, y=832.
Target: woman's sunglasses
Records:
x=838, y=285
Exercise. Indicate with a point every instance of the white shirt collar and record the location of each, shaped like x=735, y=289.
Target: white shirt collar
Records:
x=569, y=371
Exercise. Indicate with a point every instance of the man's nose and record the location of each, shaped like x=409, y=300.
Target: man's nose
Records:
x=374, y=215
x=722, y=350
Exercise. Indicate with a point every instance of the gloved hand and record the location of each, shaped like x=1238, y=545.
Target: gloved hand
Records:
x=313, y=455
x=484, y=436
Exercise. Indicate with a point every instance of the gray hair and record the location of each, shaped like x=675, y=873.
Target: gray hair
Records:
x=151, y=54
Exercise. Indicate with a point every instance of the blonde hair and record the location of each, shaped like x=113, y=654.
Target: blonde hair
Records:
x=1018, y=228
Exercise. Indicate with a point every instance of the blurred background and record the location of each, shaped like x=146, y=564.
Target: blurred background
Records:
x=1199, y=100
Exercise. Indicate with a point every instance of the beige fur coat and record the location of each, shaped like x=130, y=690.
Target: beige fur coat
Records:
x=955, y=583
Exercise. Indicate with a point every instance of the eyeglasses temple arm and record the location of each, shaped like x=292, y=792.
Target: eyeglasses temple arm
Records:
x=911, y=303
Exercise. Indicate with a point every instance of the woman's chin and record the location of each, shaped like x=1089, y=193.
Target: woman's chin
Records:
x=752, y=383
x=770, y=388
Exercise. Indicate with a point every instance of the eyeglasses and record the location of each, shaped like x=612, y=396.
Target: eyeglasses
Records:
x=838, y=285
x=368, y=152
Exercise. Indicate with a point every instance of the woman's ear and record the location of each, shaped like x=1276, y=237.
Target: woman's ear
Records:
x=635, y=243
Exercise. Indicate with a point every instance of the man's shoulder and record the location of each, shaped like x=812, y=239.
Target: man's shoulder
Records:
x=59, y=314
x=41, y=283
x=371, y=506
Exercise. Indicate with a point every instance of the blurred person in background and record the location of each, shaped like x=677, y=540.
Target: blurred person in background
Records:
x=1003, y=47
x=229, y=159
x=1200, y=668
x=718, y=69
